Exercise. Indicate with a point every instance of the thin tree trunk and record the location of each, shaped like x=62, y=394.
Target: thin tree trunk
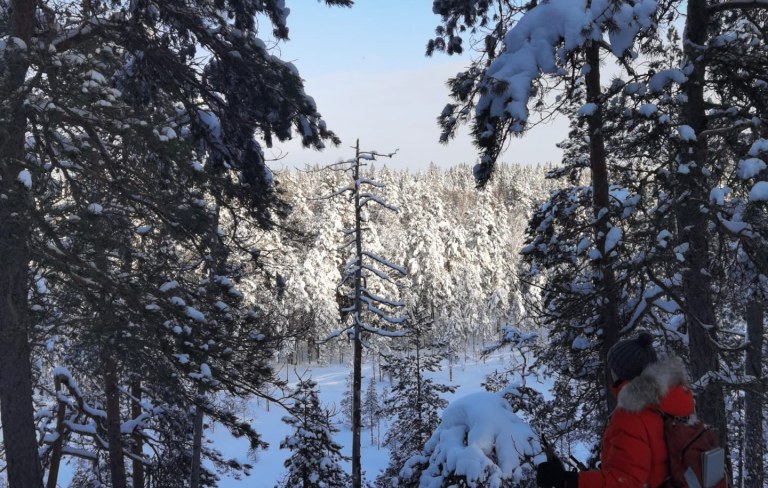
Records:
x=197, y=444
x=418, y=383
x=56, y=451
x=357, y=376
x=371, y=423
x=692, y=228
x=381, y=369
x=600, y=205
x=16, y=408
x=138, y=441
x=112, y=392
x=754, y=440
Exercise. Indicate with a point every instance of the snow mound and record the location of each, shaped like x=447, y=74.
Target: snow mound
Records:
x=479, y=439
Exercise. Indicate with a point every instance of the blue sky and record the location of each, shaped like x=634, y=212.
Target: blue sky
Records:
x=367, y=71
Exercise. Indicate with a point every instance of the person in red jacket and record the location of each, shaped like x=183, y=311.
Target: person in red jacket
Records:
x=634, y=453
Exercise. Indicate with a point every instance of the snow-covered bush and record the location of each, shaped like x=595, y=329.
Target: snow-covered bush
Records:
x=480, y=442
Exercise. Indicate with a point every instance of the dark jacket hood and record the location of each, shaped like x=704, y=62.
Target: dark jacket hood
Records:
x=663, y=385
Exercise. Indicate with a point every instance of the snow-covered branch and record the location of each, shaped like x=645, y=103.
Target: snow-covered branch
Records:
x=381, y=313
x=386, y=262
x=367, y=181
x=336, y=193
x=82, y=33
x=737, y=4
x=365, y=198
x=336, y=333
x=377, y=272
x=380, y=332
x=383, y=300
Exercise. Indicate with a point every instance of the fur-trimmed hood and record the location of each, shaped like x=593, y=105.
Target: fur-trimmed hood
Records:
x=634, y=450
x=663, y=385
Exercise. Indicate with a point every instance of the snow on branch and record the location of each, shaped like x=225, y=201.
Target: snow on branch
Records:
x=377, y=272
x=370, y=197
x=381, y=313
x=336, y=193
x=372, y=155
x=385, y=262
x=737, y=4
x=338, y=332
x=63, y=375
x=80, y=453
x=81, y=32
x=383, y=300
x=736, y=228
x=380, y=332
x=540, y=42
x=351, y=264
x=367, y=181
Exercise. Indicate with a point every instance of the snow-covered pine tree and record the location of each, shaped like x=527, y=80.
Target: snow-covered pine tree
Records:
x=415, y=402
x=671, y=196
x=315, y=457
x=524, y=44
x=200, y=339
x=371, y=409
x=369, y=310
x=115, y=105
x=346, y=401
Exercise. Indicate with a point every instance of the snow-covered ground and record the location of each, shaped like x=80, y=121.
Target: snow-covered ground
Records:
x=332, y=380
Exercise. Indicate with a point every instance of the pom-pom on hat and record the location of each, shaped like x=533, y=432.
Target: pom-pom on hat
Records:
x=628, y=358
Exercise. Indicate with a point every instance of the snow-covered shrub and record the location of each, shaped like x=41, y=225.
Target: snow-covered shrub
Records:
x=480, y=442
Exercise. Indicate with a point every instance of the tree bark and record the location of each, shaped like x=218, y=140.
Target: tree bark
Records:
x=56, y=450
x=114, y=436
x=138, y=441
x=197, y=443
x=16, y=408
x=754, y=440
x=357, y=368
x=692, y=228
x=601, y=200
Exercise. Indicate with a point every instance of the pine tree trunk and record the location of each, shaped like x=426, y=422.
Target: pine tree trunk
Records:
x=371, y=425
x=56, y=450
x=138, y=442
x=357, y=376
x=381, y=369
x=112, y=392
x=16, y=408
x=754, y=440
x=601, y=200
x=197, y=444
x=692, y=228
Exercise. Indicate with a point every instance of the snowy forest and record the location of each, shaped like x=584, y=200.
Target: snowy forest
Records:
x=177, y=311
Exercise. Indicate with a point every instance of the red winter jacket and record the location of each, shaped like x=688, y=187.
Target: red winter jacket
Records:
x=634, y=454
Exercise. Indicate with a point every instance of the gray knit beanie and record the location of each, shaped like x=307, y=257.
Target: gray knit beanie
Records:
x=628, y=358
